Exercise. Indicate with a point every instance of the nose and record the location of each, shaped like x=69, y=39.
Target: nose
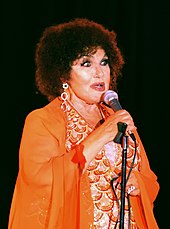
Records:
x=98, y=72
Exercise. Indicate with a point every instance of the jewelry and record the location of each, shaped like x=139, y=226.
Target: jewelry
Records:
x=64, y=94
x=65, y=86
x=64, y=97
x=130, y=189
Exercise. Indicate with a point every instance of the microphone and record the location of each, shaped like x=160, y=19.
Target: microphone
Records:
x=111, y=98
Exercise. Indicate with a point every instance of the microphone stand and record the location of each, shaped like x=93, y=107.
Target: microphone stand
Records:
x=122, y=139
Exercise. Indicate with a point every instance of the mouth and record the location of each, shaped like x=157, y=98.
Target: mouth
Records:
x=100, y=86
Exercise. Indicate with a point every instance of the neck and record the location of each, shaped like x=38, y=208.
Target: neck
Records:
x=90, y=112
x=81, y=104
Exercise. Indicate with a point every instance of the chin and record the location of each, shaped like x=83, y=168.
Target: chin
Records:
x=95, y=101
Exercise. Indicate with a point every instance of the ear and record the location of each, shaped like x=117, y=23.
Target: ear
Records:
x=63, y=80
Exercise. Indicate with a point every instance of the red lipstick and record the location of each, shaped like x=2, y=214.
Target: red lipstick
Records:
x=99, y=86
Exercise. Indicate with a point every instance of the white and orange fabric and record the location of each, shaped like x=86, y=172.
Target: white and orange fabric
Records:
x=52, y=193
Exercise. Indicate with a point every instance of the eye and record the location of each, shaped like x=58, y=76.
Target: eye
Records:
x=86, y=63
x=104, y=62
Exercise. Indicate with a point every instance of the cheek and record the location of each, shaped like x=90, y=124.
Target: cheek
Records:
x=80, y=76
x=90, y=71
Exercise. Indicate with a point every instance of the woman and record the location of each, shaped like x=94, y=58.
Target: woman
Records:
x=69, y=166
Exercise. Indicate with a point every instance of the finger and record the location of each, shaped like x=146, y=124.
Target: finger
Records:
x=130, y=189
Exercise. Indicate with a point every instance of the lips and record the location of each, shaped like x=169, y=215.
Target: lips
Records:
x=100, y=86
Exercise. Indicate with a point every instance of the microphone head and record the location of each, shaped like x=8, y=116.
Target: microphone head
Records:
x=109, y=95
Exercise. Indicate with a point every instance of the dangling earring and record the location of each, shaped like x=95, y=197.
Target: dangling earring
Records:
x=64, y=94
x=64, y=97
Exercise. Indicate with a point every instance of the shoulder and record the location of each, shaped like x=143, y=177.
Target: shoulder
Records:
x=51, y=114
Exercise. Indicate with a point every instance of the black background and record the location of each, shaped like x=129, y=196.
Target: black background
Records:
x=143, y=35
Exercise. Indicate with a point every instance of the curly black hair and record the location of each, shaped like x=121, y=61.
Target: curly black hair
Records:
x=62, y=44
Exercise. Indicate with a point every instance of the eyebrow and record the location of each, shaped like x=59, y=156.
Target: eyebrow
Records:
x=91, y=55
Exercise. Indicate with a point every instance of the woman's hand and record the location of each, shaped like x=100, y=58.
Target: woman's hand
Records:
x=105, y=133
x=132, y=187
x=109, y=128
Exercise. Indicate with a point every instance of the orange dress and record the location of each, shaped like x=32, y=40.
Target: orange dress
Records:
x=52, y=193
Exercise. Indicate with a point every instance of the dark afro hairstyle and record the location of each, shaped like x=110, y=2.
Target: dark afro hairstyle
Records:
x=62, y=44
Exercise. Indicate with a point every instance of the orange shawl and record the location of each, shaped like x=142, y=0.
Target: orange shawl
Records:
x=51, y=192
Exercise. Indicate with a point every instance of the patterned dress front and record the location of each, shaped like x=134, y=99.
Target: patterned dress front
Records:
x=103, y=172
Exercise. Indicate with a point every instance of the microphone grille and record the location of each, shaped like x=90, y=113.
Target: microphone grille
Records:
x=109, y=95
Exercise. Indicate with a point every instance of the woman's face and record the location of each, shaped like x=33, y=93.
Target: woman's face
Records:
x=90, y=77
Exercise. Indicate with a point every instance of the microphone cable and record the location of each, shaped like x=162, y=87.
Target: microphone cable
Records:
x=128, y=175
x=130, y=170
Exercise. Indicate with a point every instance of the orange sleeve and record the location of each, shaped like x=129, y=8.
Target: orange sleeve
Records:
x=37, y=148
x=47, y=186
x=149, y=187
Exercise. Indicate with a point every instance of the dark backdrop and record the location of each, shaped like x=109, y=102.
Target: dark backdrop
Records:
x=142, y=29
